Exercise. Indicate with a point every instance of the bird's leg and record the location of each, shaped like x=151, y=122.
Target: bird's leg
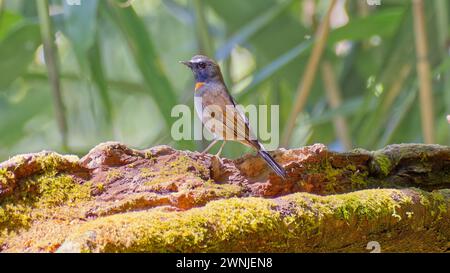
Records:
x=220, y=150
x=210, y=146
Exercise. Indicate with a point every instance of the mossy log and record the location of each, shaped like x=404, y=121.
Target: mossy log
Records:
x=117, y=199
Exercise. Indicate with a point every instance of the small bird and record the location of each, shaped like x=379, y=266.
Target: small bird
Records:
x=225, y=121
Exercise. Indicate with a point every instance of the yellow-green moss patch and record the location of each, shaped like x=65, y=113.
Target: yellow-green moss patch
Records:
x=298, y=222
x=382, y=163
x=5, y=177
x=34, y=195
x=181, y=166
x=55, y=161
x=112, y=175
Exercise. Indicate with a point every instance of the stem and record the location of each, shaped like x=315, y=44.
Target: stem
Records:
x=305, y=85
x=423, y=70
x=50, y=56
x=2, y=8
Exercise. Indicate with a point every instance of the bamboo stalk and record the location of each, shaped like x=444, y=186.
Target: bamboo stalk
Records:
x=305, y=85
x=51, y=62
x=2, y=8
x=442, y=23
x=423, y=70
x=363, y=8
x=333, y=93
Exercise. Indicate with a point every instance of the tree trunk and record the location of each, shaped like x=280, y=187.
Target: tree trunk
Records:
x=116, y=199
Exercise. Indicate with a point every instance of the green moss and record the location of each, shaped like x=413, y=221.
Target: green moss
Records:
x=211, y=191
x=13, y=217
x=424, y=201
x=133, y=165
x=335, y=177
x=100, y=187
x=382, y=163
x=358, y=179
x=149, y=155
x=147, y=172
x=408, y=200
x=332, y=175
x=440, y=203
x=423, y=156
x=182, y=165
x=112, y=175
x=436, y=204
x=55, y=190
x=357, y=206
x=5, y=177
x=158, y=180
x=229, y=221
x=298, y=222
x=35, y=196
x=226, y=190
x=54, y=161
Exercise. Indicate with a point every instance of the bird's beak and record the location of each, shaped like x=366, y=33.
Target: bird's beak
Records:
x=186, y=63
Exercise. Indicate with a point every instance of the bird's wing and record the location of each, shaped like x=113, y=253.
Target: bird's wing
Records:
x=250, y=137
x=234, y=121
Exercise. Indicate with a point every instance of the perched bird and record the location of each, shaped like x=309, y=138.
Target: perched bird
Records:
x=224, y=120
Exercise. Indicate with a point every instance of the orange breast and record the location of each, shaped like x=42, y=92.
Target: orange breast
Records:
x=198, y=85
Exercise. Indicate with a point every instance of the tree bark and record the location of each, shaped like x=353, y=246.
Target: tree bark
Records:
x=117, y=199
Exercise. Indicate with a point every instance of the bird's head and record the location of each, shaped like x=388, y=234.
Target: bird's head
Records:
x=204, y=68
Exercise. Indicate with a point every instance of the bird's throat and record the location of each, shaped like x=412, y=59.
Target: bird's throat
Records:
x=198, y=85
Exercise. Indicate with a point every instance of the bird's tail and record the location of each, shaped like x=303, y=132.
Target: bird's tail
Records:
x=273, y=164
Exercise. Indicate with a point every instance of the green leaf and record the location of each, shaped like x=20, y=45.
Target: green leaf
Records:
x=17, y=51
x=98, y=77
x=270, y=69
x=80, y=26
x=7, y=21
x=382, y=23
x=360, y=28
x=145, y=56
x=345, y=109
x=237, y=12
x=251, y=28
x=15, y=115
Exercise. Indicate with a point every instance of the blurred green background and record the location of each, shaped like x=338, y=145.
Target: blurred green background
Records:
x=110, y=70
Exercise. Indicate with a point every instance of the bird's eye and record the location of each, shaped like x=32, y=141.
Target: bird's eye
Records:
x=202, y=65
